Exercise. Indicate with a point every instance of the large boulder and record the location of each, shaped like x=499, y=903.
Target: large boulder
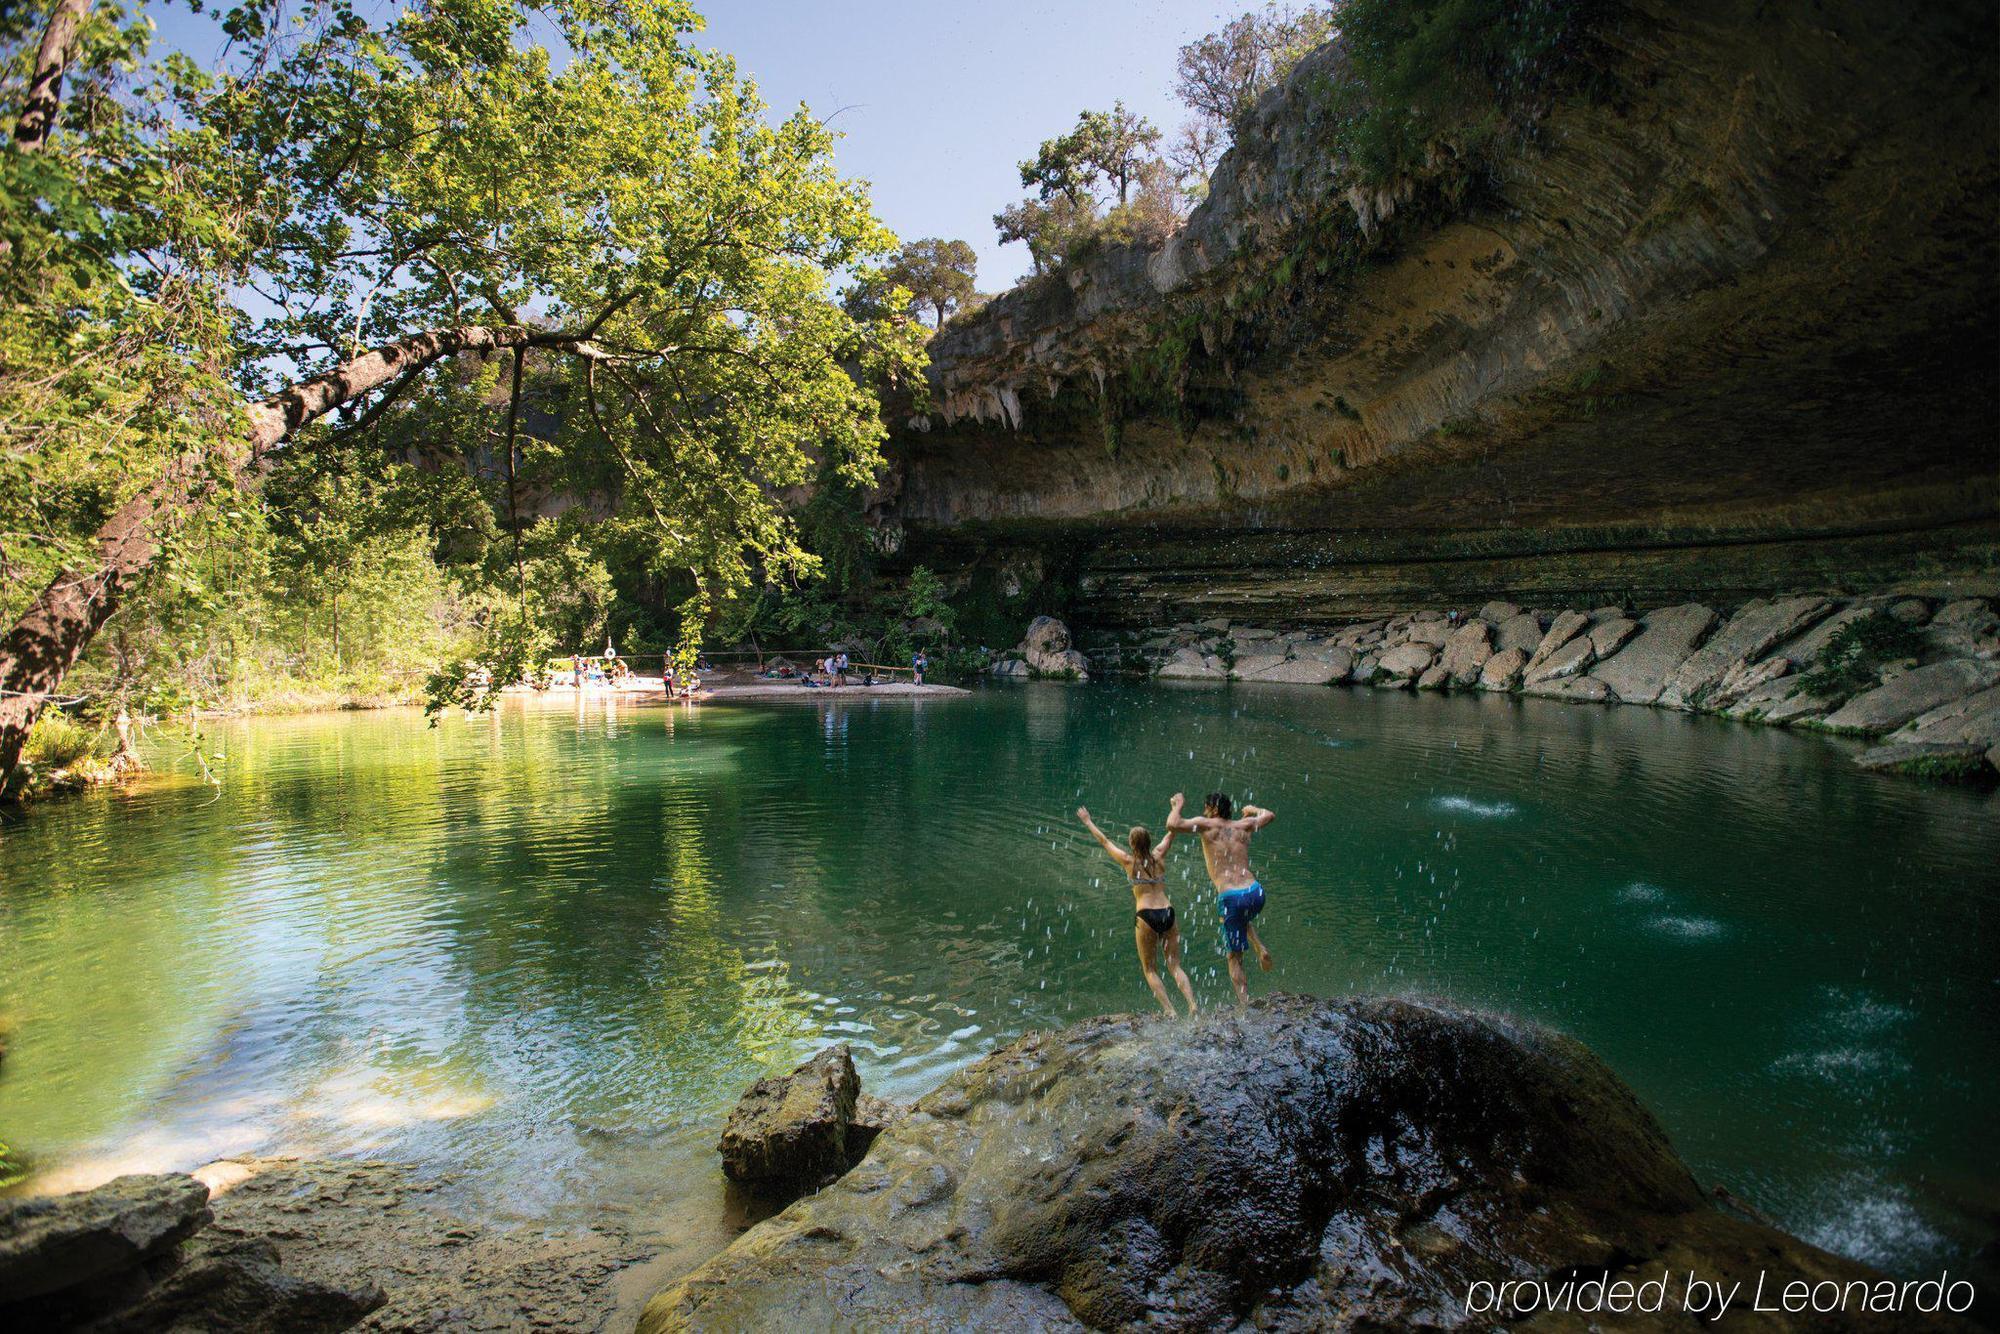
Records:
x=1359, y=636
x=1433, y=632
x=1966, y=611
x=1611, y=633
x=1339, y=661
x=1752, y=633
x=1302, y=1164
x=1638, y=672
x=1466, y=652
x=1914, y=693
x=1496, y=612
x=1191, y=664
x=1780, y=703
x=1576, y=689
x=236, y=1285
x=130, y=1256
x=1743, y=678
x=1521, y=631
x=51, y=1242
x=1403, y=663
x=789, y=1133
x=1564, y=629
x=1569, y=660
x=1312, y=670
x=1502, y=671
x=1046, y=649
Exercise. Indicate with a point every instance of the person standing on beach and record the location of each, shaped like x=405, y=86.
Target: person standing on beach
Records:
x=1225, y=846
x=917, y=664
x=1155, y=930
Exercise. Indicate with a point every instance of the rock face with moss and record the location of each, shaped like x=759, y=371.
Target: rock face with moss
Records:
x=1304, y=1164
x=1711, y=320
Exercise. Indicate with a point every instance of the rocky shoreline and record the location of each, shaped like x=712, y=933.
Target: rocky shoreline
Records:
x=1918, y=676
x=1364, y=1163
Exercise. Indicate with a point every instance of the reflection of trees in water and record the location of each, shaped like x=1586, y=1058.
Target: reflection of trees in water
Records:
x=702, y=974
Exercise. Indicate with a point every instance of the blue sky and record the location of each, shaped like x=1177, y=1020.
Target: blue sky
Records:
x=943, y=98
x=938, y=99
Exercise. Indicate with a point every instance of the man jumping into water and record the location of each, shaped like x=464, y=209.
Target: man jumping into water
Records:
x=1225, y=846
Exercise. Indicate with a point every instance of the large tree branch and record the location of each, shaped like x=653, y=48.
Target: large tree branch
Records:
x=44, y=102
x=58, y=626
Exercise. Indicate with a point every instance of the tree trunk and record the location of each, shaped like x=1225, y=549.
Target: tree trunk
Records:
x=44, y=101
x=58, y=626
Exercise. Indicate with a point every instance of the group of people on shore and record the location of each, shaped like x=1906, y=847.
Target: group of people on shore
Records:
x=1225, y=845
x=834, y=670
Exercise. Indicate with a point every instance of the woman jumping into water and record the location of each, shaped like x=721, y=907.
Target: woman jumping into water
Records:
x=1146, y=867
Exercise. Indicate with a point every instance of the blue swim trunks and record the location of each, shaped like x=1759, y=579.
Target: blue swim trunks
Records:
x=1238, y=907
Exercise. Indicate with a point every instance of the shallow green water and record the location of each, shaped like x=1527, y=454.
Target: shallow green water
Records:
x=540, y=952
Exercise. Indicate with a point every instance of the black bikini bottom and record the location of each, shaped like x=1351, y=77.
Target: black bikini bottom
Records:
x=1160, y=919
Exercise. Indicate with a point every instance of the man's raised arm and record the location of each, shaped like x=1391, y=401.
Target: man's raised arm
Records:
x=1255, y=817
x=1174, y=821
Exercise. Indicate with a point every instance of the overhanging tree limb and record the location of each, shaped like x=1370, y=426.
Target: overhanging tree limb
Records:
x=57, y=627
x=58, y=48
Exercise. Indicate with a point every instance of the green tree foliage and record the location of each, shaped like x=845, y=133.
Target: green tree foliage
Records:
x=927, y=598
x=1051, y=229
x=429, y=181
x=1856, y=653
x=937, y=273
x=1098, y=164
x=1433, y=80
x=1221, y=76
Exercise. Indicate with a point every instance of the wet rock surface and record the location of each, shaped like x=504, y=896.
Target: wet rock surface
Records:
x=52, y=1242
x=1303, y=1164
x=789, y=1133
x=440, y=1263
x=139, y=1254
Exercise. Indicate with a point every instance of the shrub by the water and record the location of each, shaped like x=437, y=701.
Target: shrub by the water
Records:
x=1856, y=652
x=57, y=741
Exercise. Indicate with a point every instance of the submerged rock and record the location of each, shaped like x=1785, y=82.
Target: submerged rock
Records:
x=1958, y=761
x=1303, y=1164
